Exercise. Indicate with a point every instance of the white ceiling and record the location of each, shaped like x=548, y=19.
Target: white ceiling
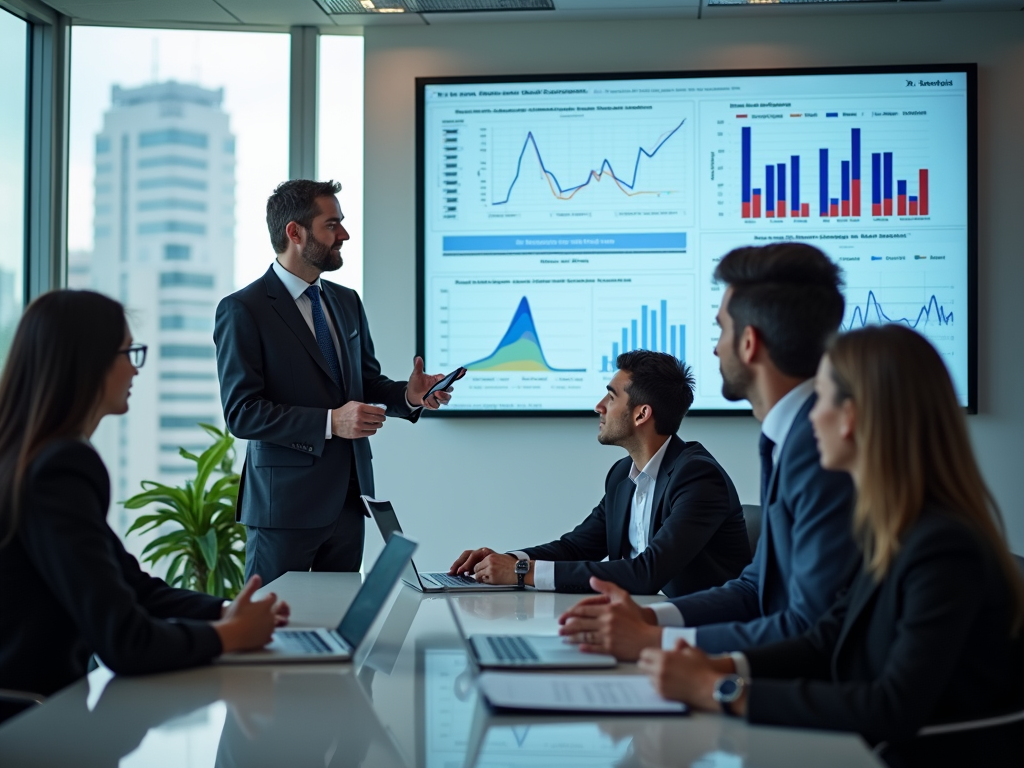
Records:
x=286, y=13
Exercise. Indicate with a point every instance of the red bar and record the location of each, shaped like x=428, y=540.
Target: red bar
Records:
x=833, y=210
x=922, y=191
x=746, y=210
x=805, y=210
x=769, y=214
x=846, y=207
x=757, y=206
x=913, y=207
x=855, y=193
x=876, y=209
x=901, y=205
x=887, y=206
x=781, y=212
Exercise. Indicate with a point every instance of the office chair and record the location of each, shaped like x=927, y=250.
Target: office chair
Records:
x=15, y=702
x=752, y=517
x=1020, y=561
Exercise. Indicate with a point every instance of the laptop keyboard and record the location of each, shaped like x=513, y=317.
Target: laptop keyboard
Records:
x=511, y=649
x=454, y=581
x=304, y=642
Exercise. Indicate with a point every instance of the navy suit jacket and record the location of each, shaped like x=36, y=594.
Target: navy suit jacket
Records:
x=805, y=555
x=697, y=535
x=276, y=389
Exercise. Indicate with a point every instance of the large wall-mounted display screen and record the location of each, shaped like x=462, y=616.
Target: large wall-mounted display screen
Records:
x=564, y=221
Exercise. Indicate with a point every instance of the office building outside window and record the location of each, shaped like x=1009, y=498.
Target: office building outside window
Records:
x=13, y=77
x=170, y=172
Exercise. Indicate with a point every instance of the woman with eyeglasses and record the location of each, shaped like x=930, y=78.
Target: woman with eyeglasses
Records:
x=931, y=632
x=68, y=588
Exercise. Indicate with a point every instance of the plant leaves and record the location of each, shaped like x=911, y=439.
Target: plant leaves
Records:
x=208, y=546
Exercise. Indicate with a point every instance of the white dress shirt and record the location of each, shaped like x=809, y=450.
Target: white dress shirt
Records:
x=640, y=512
x=776, y=427
x=296, y=288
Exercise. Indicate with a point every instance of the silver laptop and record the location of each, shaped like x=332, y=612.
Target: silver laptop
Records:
x=527, y=651
x=387, y=521
x=322, y=644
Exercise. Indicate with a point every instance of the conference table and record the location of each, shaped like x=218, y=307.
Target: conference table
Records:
x=408, y=699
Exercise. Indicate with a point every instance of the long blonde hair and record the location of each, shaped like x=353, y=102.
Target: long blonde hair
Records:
x=913, y=447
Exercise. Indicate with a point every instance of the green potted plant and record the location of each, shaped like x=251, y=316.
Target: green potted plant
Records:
x=206, y=547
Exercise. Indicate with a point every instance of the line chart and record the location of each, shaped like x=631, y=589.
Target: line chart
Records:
x=862, y=316
x=603, y=170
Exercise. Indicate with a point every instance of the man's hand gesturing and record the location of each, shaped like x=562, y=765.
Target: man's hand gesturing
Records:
x=610, y=623
x=354, y=420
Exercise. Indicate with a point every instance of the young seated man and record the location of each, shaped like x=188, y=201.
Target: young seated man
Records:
x=781, y=305
x=670, y=518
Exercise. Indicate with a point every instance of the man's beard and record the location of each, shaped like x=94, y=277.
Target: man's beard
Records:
x=320, y=256
x=736, y=381
x=620, y=434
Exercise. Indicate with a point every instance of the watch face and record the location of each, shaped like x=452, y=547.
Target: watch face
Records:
x=522, y=566
x=728, y=689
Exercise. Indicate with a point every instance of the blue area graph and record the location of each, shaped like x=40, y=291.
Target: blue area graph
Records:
x=649, y=331
x=566, y=193
x=520, y=348
x=872, y=313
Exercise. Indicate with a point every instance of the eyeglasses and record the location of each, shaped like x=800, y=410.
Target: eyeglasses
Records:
x=136, y=354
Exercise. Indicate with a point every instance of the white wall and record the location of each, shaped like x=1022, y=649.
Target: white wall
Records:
x=511, y=482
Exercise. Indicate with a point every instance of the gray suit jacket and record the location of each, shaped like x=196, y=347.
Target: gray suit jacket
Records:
x=276, y=388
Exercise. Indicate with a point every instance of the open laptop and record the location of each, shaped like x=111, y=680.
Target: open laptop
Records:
x=527, y=651
x=322, y=644
x=387, y=521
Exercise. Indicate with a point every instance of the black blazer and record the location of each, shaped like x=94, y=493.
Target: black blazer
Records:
x=928, y=644
x=698, y=537
x=69, y=589
x=276, y=389
x=805, y=555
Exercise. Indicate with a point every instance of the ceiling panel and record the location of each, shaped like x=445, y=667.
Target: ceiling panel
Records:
x=145, y=11
x=290, y=13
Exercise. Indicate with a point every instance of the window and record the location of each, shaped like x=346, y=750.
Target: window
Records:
x=170, y=169
x=340, y=149
x=13, y=116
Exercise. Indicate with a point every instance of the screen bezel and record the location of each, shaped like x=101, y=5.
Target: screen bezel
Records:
x=969, y=70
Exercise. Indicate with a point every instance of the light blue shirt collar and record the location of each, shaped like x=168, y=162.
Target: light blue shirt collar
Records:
x=780, y=418
x=294, y=284
x=651, y=470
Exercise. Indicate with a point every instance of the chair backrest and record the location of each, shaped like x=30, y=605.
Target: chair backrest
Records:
x=15, y=702
x=752, y=517
x=1020, y=562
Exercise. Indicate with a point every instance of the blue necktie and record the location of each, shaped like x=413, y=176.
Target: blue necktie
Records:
x=765, y=447
x=323, y=333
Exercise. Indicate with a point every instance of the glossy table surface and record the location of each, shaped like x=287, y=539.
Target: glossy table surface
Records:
x=408, y=699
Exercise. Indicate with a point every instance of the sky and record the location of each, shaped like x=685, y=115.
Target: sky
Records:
x=253, y=70
x=13, y=50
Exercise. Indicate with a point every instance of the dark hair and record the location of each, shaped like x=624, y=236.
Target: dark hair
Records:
x=788, y=292
x=55, y=372
x=295, y=200
x=660, y=381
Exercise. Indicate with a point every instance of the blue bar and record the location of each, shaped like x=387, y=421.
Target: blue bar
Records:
x=682, y=343
x=913, y=198
x=855, y=153
x=769, y=185
x=745, y=154
x=654, y=330
x=604, y=362
x=831, y=114
x=794, y=184
x=664, y=333
x=457, y=245
x=633, y=345
x=643, y=329
x=835, y=201
x=615, y=355
x=901, y=187
x=876, y=178
x=673, y=341
x=846, y=180
x=780, y=188
x=887, y=176
x=823, y=181
x=625, y=341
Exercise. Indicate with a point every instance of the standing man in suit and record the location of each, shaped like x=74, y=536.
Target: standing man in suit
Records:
x=300, y=381
x=780, y=306
x=670, y=518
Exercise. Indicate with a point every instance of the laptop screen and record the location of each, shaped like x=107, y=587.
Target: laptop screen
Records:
x=376, y=587
x=384, y=516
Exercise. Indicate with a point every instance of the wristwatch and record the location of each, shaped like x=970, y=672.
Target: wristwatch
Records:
x=522, y=568
x=728, y=690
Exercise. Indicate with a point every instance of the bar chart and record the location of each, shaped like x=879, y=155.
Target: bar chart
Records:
x=780, y=193
x=650, y=330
